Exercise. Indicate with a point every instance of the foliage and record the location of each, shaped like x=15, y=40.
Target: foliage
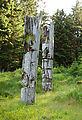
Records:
x=10, y=30
x=12, y=16
x=64, y=102
x=67, y=35
x=63, y=37
x=75, y=69
x=77, y=21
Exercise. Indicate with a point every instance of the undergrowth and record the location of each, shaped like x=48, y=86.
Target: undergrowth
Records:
x=63, y=103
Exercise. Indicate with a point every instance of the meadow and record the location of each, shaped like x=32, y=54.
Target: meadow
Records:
x=64, y=102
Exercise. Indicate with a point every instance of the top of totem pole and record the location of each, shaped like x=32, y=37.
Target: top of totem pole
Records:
x=32, y=23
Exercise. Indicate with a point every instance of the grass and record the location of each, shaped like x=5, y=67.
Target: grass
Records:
x=63, y=103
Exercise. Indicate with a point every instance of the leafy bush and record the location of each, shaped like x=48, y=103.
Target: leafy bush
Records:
x=60, y=69
x=76, y=95
x=59, y=77
x=80, y=70
x=56, y=70
x=75, y=69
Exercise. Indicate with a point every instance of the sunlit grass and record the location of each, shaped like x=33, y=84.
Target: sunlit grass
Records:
x=63, y=103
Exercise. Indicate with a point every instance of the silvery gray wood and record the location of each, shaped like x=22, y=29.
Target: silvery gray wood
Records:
x=30, y=59
x=47, y=57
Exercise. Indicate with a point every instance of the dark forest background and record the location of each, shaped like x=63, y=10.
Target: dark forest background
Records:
x=67, y=33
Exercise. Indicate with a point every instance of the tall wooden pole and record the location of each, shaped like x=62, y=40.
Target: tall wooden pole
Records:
x=30, y=60
x=47, y=57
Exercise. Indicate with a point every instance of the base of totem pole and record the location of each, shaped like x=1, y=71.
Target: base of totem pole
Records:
x=28, y=95
x=47, y=86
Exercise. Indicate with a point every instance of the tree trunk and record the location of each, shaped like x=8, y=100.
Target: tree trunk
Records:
x=30, y=60
x=47, y=57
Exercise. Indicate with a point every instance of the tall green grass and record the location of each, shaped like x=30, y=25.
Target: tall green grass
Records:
x=63, y=103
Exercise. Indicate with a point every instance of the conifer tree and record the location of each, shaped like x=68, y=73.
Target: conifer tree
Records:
x=12, y=14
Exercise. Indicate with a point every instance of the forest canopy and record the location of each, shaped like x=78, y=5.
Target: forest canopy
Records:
x=67, y=33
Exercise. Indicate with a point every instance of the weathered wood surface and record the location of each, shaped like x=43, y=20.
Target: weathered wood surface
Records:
x=30, y=60
x=47, y=57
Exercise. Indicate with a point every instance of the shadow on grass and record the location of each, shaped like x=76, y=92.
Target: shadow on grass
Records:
x=10, y=87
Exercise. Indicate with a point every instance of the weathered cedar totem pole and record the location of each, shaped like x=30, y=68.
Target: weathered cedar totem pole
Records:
x=30, y=60
x=47, y=57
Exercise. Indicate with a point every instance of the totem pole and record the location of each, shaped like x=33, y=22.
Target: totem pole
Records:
x=47, y=57
x=30, y=59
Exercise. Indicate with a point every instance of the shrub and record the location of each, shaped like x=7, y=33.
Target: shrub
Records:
x=73, y=70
